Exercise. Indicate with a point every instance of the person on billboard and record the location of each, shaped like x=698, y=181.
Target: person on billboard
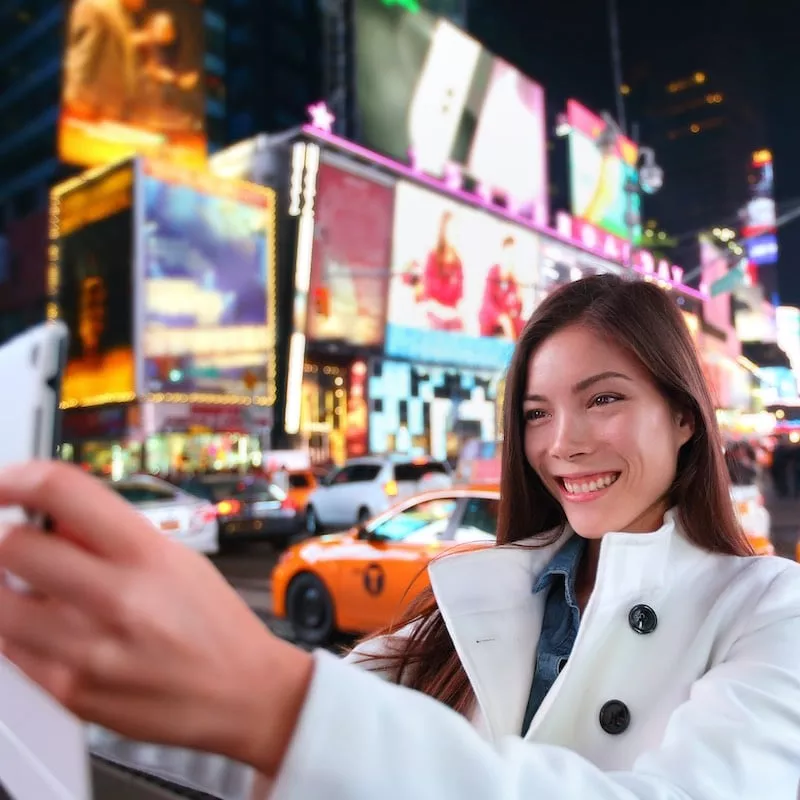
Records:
x=619, y=640
x=501, y=310
x=97, y=370
x=157, y=77
x=441, y=288
x=100, y=62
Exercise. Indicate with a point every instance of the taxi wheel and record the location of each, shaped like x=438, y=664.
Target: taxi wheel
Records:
x=309, y=607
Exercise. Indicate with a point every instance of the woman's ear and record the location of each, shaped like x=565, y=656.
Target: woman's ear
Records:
x=685, y=425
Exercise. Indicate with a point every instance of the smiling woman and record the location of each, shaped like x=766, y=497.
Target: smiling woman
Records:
x=620, y=641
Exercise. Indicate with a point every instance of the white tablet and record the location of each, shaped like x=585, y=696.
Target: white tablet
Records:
x=43, y=751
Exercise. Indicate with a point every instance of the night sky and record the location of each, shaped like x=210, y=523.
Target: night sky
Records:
x=566, y=47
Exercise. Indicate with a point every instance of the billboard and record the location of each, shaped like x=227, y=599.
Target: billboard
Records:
x=429, y=95
x=133, y=81
x=760, y=224
x=207, y=254
x=599, y=174
x=350, y=259
x=91, y=281
x=462, y=282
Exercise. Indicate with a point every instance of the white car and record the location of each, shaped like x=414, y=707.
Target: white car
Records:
x=368, y=486
x=189, y=520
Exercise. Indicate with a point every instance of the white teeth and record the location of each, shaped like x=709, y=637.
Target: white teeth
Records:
x=591, y=486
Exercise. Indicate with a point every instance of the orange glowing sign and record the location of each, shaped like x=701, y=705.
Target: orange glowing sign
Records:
x=761, y=157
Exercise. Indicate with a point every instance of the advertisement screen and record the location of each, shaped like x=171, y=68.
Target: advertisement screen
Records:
x=462, y=282
x=208, y=259
x=93, y=236
x=599, y=173
x=350, y=259
x=133, y=81
x=430, y=95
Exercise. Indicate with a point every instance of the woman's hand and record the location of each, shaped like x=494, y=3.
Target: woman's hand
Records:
x=133, y=631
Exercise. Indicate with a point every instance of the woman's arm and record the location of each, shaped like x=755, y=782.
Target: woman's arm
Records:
x=737, y=737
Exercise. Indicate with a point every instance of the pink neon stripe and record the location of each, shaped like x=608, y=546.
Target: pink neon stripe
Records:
x=419, y=177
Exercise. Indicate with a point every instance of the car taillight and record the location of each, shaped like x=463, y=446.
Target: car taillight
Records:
x=390, y=488
x=226, y=508
x=287, y=504
x=204, y=515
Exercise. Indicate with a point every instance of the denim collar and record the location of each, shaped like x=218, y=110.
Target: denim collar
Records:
x=565, y=563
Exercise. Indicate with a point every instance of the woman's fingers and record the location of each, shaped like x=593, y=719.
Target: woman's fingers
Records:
x=55, y=567
x=95, y=516
x=56, y=679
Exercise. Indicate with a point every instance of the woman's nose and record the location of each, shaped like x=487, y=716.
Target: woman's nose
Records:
x=569, y=438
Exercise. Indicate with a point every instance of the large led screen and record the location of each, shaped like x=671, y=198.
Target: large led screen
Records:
x=207, y=253
x=350, y=258
x=92, y=230
x=462, y=282
x=429, y=94
x=599, y=172
x=132, y=81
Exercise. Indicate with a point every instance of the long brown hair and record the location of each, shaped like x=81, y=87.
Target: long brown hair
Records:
x=644, y=320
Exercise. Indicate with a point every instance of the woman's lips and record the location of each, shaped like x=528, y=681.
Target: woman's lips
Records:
x=586, y=487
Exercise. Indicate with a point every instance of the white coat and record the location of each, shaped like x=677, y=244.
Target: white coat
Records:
x=712, y=693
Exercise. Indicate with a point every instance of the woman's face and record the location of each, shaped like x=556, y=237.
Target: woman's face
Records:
x=599, y=434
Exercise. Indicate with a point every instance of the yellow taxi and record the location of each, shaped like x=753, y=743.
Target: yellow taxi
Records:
x=358, y=581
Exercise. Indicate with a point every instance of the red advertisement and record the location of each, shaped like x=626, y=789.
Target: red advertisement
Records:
x=351, y=259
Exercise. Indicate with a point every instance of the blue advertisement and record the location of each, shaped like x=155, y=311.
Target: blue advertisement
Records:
x=207, y=255
x=763, y=249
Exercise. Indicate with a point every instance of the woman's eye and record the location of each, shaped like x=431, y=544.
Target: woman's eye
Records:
x=605, y=399
x=534, y=414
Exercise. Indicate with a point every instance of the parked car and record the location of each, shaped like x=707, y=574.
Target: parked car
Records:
x=367, y=486
x=358, y=581
x=248, y=507
x=190, y=520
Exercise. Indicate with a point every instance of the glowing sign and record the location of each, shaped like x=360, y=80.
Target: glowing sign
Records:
x=321, y=117
x=408, y=5
x=613, y=248
x=576, y=232
x=761, y=157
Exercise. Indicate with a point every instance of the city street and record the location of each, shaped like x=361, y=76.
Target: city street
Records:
x=248, y=568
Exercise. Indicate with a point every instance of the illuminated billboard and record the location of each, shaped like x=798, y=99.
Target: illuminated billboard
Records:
x=133, y=81
x=760, y=224
x=207, y=251
x=599, y=173
x=429, y=95
x=350, y=258
x=91, y=281
x=462, y=282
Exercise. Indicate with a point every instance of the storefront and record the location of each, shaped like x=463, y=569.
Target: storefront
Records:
x=104, y=439
x=185, y=437
x=334, y=414
x=166, y=438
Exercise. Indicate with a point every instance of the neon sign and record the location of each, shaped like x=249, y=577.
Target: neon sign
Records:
x=575, y=232
x=609, y=246
x=408, y=5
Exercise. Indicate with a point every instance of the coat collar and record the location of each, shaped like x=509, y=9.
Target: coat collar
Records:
x=494, y=617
